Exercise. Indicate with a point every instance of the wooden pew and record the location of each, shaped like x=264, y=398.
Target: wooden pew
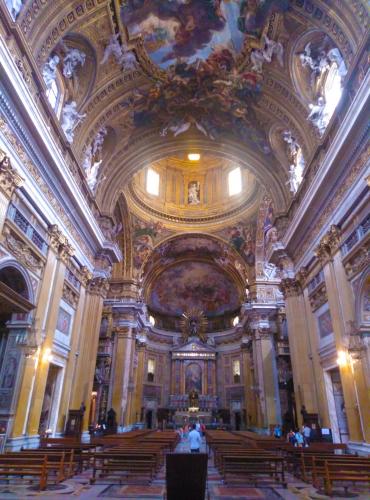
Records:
x=340, y=468
x=252, y=467
x=25, y=468
x=127, y=464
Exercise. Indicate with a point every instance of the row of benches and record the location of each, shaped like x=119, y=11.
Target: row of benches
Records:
x=241, y=456
x=137, y=454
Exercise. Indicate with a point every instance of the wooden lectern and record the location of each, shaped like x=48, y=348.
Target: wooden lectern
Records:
x=186, y=476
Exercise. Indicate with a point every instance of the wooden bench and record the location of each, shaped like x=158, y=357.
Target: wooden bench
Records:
x=357, y=471
x=133, y=464
x=25, y=468
x=66, y=459
x=252, y=467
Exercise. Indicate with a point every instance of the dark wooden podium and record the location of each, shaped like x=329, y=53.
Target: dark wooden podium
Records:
x=186, y=476
x=74, y=423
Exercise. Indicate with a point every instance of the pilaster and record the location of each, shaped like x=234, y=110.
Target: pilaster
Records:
x=299, y=343
x=341, y=304
x=89, y=339
x=138, y=382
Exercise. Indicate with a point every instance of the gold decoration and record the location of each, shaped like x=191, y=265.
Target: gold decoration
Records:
x=194, y=324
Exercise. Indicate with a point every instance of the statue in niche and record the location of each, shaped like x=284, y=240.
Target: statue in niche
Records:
x=317, y=115
x=93, y=159
x=194, y=193
x=70, y=119
x=49, y=71
x=71, y=60
x=14, y=7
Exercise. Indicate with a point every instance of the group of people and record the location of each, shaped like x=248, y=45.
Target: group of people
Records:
x=299, y=437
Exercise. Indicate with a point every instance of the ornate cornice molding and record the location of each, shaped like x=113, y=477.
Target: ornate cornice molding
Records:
x=10, y=180
x=290, y=287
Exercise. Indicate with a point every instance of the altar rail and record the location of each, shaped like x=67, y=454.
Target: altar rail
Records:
x=180, y=402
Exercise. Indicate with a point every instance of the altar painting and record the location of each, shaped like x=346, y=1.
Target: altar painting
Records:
x=193, y=378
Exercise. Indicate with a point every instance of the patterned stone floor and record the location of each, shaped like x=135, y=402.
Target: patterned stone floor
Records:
x=79, y=487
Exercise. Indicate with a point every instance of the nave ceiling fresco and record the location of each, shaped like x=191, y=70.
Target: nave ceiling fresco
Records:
x=143, y=83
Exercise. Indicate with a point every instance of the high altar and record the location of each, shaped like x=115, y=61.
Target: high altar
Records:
x=193, y=381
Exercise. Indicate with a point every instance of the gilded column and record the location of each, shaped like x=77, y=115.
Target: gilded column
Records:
x=339, y=300
x=89, y=339
x=298, y=334
x=10, y=180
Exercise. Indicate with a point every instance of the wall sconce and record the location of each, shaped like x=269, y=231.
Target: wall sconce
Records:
x=235, y=320
x=342, y=359
x=94, y=394
x=47, y=357
x=152, y=320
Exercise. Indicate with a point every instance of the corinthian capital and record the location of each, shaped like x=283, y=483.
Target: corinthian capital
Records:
x=98, y=286
x=59, y=243
x=328, y=244
x=290, y=287
x=10, y=180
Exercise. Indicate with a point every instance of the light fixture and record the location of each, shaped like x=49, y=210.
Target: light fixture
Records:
x=342, y=358
x=193, y=156
x=151, y=320
x=235, y=320
x=94, y=394
x=47, y=356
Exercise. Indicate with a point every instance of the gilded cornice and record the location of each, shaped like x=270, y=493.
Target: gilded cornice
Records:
x=84, y=275
x=10, y=180
x=23, y=250
x=290, y=287
x=302, y=276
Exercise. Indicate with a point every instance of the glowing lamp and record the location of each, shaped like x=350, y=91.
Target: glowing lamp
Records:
x=193, y=156
x=342, y=358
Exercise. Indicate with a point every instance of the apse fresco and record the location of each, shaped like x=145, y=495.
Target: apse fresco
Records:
x=208, y=82
x=190, y=285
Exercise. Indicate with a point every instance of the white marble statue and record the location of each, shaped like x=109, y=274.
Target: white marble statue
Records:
x=193, y=193
x=14, y=7
x=293, y=145
x=317, y=115
x=92, y=159
x=334, y=55
x=49, y=71
x=293, y=180
x=71, y=60
x=70, y=119
x=124, y=57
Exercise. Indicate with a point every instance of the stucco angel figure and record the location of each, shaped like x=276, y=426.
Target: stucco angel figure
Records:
x=334, y=55
x=122, y=54
x=49, y=71
x=71, y=60
x=14, y=7
x=70, y=119
x=293, y=180
x=317, y=115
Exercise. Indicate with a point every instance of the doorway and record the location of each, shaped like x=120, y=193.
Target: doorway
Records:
x=149, y=419
x=51, y=400
x=237, y=421
x=337, y=410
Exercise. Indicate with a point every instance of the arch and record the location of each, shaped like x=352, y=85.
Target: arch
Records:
x=17, y=278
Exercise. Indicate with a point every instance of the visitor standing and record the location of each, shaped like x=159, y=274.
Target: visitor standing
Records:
x=194, y=440
x=306, y=434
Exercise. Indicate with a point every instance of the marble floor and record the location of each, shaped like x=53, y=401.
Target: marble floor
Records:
x=79, y=487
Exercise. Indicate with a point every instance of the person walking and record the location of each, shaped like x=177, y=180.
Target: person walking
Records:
x=194, y=440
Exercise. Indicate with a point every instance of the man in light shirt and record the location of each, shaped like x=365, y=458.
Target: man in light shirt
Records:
x=194, y=440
